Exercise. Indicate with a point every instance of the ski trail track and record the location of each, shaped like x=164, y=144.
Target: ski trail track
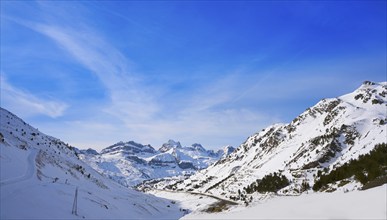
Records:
x=31, y=169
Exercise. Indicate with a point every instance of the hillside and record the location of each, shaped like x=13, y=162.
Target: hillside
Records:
x=40, y=176
x=293, y=156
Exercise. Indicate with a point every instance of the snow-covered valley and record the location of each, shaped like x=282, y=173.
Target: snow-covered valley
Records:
x=45, y=178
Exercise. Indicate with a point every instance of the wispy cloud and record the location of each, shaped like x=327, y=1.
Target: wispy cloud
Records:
x=128, y=99
x=197, y=79
x=26, y=104
x=215, y=112
x=197, y=116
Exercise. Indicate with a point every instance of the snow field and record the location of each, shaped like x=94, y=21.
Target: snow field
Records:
x=368, y=204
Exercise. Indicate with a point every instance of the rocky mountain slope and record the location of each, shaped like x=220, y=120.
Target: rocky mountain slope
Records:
x=40, y=176
x=321, y=139
x=131, y=163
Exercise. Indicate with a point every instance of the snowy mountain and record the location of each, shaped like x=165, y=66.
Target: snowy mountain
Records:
x=40, y=176
x=321, y=139
x=169, y=145
x=131, y=163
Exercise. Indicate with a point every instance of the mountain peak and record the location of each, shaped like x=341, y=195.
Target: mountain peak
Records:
x=169, y=145
x=132, y=163
x=129, y=147
x=369, y=93
x=198, y=147
x=369, y=83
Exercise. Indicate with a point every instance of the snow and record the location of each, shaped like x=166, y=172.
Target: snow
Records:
x=28, y=165
x=187, y=201
x=39, y=176
x=163, y=157
x=368, y=204
x=14, y=158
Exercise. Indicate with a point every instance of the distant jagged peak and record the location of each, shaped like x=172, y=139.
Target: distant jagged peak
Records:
x=129, y=147
x=174, y=143
x=169, y=145
x=198, y=147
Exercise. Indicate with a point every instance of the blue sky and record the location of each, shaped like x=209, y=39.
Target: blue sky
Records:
x=93, y=73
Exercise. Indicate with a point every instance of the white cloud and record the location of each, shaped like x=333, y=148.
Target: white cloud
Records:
x=128, y=98
x=25, y=104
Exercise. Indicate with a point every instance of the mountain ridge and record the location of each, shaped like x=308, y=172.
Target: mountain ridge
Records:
x=323, y=137
x=130, y=163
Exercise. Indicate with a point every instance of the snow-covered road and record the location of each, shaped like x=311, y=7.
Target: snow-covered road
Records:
x=30, y=171
x=368, y=204
x=192, y=202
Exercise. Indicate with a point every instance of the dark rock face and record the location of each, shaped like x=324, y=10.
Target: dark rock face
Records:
x=186, y=165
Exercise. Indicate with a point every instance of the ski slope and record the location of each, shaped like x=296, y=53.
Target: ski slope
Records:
x=39, y=176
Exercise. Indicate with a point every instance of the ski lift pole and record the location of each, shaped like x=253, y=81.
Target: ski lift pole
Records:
x=75, y=204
